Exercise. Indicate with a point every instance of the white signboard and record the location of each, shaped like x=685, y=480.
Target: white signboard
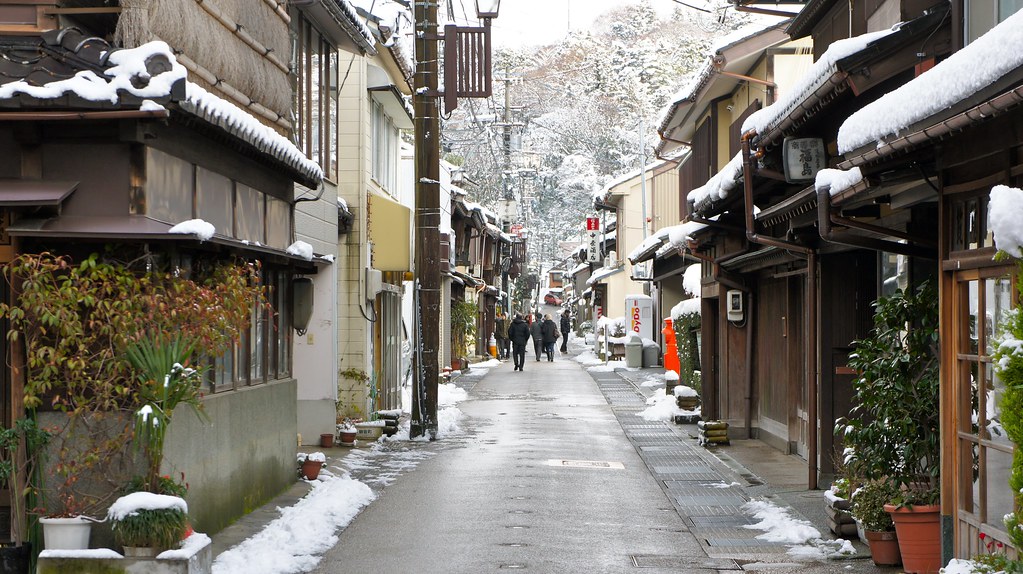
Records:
x=592, y=246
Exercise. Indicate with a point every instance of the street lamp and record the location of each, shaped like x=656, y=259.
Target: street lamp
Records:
x=488, y=9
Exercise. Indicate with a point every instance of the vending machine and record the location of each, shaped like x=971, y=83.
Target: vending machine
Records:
x=639, y=315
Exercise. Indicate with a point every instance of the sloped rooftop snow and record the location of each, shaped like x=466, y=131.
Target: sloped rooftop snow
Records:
x=718, y=187
x=964, y=73
x=815, y=77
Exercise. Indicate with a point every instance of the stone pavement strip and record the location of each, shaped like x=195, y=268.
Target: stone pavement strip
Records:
x=555, y=471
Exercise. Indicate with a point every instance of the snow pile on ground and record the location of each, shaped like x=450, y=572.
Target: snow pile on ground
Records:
x=958, y=566
x=805, y=540
x=294, y=542
x=609, y=367
x=662, y=408
x=684, y=391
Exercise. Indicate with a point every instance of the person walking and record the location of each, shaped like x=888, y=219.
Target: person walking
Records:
x=501, y=336
x=566, y=326
x=549, y=333
x=535, y=331
x=518, y=333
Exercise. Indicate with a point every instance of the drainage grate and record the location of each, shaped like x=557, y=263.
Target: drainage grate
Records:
x=687, y=562
x=586, y=464
x=744, y=542
x=720, y=521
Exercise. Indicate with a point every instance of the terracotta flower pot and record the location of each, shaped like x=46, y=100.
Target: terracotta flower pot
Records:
x=348, y=437
x=311, y=469
x=884, y=548
x=919, y=531
x=327, y=440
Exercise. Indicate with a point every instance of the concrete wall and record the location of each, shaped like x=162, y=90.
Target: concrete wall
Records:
x=239, y=461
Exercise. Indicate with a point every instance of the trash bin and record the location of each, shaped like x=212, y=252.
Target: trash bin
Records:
x=651, y=355
x=634, y=351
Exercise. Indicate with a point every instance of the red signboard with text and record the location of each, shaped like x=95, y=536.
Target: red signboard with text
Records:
x=592, y=224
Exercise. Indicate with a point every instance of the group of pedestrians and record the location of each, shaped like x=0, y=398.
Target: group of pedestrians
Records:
x=542, y=330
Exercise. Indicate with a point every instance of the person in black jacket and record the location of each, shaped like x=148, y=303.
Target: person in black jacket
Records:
x=566, y=326
x=518, y=333
x=536, y=332
x=550, y=336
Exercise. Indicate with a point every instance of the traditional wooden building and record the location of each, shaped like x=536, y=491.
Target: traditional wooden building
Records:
x=104, y=146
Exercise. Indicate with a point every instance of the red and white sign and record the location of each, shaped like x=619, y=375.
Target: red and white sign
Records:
x=635, y=320
x=592, y=224
x=598, y=311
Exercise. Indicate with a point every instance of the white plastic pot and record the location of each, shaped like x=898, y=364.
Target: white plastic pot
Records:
x=66, y=533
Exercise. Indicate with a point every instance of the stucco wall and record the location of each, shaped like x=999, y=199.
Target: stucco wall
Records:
x=239, y=461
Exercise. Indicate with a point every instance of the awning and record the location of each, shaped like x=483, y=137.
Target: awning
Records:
x=390, y=231
x=386, y=93
x=140, y=228
x=34, y=192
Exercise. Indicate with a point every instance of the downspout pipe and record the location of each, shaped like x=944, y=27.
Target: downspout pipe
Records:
x=810, y=350
x=827, y=218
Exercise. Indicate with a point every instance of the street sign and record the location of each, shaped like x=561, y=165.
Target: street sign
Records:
x=592, y=246
x=592, y=224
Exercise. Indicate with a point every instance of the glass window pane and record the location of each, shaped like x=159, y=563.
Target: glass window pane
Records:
x=331, y=167
x=1007, y=8
x=996, y=485
x=284, y=326
x=248, y=213
x=969, y=472
x=993, y=407
x=214, y=195
x=972, y=224
x=278, y=223
x=980, y=17
x=169, y=182
x=974, y=328
x=257, y=342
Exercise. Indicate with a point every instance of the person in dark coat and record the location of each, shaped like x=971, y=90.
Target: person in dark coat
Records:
x=549, y=332
x=501, y=336
x=536, y=332
x=566, y=326
x=518, y=334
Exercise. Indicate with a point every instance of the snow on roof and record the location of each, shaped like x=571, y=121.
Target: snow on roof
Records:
x=718, y=187
x=815, y=77
x=837, y=180
x=603, y=273
x=697, y=79
x=127, y=74
x=203, y=230
x=243, y=125
x=301, y=249
x=1004, y=219
x=626, y=177
x=656, y=239
x=964, y=73
x=691, y=279
x=396, y=25
x=348, y=7
x=579, y=268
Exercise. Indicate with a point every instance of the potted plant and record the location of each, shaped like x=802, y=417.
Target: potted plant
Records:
x=310, y=464
x=868, y=504
x=20, y=447
x=347, y=431
x=892, y=431
x=146, y=523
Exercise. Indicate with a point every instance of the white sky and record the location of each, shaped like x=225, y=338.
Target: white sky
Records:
x=539, y=22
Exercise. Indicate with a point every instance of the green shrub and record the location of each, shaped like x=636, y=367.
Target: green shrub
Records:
x=868, y=505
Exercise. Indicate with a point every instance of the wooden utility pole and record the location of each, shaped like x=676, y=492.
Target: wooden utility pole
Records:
x=427, y=239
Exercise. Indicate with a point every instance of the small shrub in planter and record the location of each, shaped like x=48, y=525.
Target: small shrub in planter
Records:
x=868, y=505
x=144, y=519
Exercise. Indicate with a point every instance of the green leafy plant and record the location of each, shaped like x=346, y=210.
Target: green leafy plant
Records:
x=71, y=325
x=685, y=325
x=21, y=447
x=892, y=431
x=463, y=325
x=1008, y=363
x=164, y=383
x=350, y=383
x=144, y=519
x=868, y=505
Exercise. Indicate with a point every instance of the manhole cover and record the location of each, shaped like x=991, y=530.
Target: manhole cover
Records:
x=585, y=464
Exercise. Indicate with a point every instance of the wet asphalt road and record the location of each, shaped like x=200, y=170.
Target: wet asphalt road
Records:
x=543, y=478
